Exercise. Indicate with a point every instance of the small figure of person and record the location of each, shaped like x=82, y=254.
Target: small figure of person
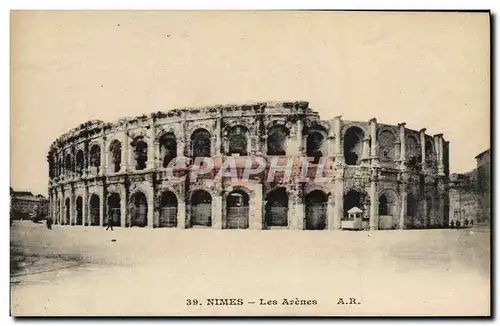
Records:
x=452, y=224
x=110, y=222
x=466, y=222
x=457, y=223
x=471, y=222
x=49, y=223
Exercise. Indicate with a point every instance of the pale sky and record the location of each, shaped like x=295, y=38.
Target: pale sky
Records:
x=430, y=70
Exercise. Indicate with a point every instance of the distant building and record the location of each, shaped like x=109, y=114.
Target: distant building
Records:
x=464, y=198
x=484, y=182
x=23, y=203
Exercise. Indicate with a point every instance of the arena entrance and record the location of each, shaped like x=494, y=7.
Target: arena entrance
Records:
x=237, y=210
x=201, y=209
x=168, y=210
x=353, y=199
x=114, y=209
x=411, y=220
x=316, y=203
x=94, y=210
x=79, y=211
x=138, y=210
x=67, y=207
x=276, y=209
x=387, y=212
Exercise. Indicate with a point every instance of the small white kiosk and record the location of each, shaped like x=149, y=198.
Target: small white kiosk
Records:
x=354, y=219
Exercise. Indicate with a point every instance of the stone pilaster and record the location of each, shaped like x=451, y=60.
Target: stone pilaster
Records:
x=73, y=211
x=299, y=147
x=126, y=150
x=102, y=205
x=217, y=210
x=339, y=201
x=218, y=134
x=181, y=213
x=402, y=140
x=102, y=144
x=422, y=146
x=403, y=195
x=373, y=205
x=300, y=211
x=292, y=198
x=336, y=129
x=85, y=208
x=124, y=213
x=373, y=136
x=440, y=154
x=152, y=147
x=366, y=149
x=294, y=147
x=151, y=209
x=330, y=212
x=255, y=214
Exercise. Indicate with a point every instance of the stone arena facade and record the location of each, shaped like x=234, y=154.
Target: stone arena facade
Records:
x=396, y=177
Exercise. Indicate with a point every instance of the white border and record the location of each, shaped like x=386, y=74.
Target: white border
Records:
x=6, y=6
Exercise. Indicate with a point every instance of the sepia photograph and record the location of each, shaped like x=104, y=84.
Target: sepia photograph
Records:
x=250, y=163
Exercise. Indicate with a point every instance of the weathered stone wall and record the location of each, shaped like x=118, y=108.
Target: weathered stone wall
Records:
x=397, y=176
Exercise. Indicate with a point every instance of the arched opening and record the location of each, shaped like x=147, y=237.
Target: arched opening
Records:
x=68, y=162
x=383, y=208
x=138, y=210
x=413, y=154
x=51, y=168
x=140, y=153
x=237, y=141
x=429, y=217
x=94, y=210
x=316, y=206
x=95, y=158
x=114, y=208
x=59, y=167
x=67, y=215
x=115, y=150
x=276, y=208
x=387, y=211
x=314, y=145
x=353, y=145
x=386, y=148
x=168, y=210
x=201, y=208
x=412, y=148
x=200, y=143
x=352, y=199
x=237, y=209
x=411, y=211
x=79, y=211
x=430, y=155
x=168, y=148
x=79, y=162
x=276, y=140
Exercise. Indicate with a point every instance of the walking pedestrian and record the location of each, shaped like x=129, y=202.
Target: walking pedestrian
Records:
x=49, y=223
x=110, y=222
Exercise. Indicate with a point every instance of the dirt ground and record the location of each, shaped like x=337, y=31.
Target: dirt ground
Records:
x=88, y=271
